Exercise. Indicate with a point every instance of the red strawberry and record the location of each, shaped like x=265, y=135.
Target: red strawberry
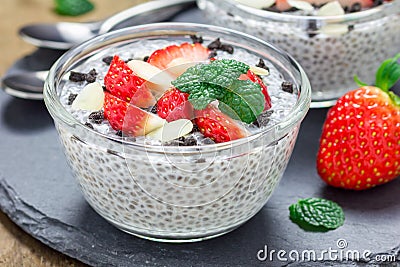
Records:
x=218, y=126
x=174, y=105
x=128, y=118
x=360, y=142
x=122, y=82
x=190, y=52
x=254, y=78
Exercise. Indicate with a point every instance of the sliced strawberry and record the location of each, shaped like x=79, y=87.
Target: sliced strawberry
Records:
x=123, y=83
x=128, y=118
x=190, y=52
x=174, y=105
x=218, y=126
x=254, y=78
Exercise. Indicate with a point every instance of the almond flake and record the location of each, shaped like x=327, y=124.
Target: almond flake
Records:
x=172, y=130
x=259, y=71
x=302, y=5
x=331, y=9
x=90, y=98
x=259, y=4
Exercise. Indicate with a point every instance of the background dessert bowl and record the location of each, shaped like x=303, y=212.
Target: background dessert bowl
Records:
x=175, y=193
x=331, y=49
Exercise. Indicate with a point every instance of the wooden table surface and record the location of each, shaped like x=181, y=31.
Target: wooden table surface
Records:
x=16, y=247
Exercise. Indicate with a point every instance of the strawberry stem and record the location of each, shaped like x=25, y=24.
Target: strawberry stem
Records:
x=388, y=73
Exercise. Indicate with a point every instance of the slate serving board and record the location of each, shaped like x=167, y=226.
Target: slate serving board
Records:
x=38, y=192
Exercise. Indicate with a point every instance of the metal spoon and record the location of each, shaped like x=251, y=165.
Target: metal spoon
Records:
x=64, y=35
x=27, y=85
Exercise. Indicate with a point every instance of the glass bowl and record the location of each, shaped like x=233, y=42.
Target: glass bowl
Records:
x=331, y=49
x=175, y=193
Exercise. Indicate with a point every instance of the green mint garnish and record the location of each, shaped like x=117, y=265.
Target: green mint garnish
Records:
x=317, y=214
x=386, y=77
x=73, y=7
x=219, y=80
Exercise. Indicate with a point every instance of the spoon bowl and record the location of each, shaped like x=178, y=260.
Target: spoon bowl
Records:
x=64, y=35
x=28, y=85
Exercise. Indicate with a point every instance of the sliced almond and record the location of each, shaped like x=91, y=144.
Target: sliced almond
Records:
x=259, y=71
x=334, y=29
x=172, y=130
x=257, y=3
x=179, y=65
x=150, y=73
x=302, y=5
x=331, y=9
x=90, y=98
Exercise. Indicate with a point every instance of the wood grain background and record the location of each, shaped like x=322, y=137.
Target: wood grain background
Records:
x=16, y=247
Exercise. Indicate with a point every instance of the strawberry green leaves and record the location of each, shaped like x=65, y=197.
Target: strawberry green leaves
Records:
x=219, y=80
x=388, y=73
x=386, y=77
x=317, y=214
x=73, y=7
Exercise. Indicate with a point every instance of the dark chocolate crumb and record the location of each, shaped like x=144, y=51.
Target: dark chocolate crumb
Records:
x=196, y=39
x=287, y=87
x=261, y=64
x=351, y=27
x=107, y=60
x=312, y=28
x=356, y=7
x=216, y=44
x=146, y=58
x=208, y=141
x=104, y=87
x=195, y=129
x=151, y=109
x=213, y=53
x=346, y=9
x=71, y=98
x=96, y=117
x=263, y=119
x=77, y=76
x=129, y=59
x=89, y=125
x=119, y=133
x=227, y=48
x=229, y=14
x=189, y=141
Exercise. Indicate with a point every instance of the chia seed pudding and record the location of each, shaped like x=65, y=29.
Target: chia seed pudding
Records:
x=331, y=49
x=180, y=190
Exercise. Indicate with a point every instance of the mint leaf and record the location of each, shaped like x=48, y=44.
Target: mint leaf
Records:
x=317, y=214
x=219, y=80
x=73, y=7
x=388, y=73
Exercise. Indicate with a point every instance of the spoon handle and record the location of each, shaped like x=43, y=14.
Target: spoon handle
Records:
x=153, y=11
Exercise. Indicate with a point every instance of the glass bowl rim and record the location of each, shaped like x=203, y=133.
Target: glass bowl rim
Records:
x=59, y=113
x=286, y=17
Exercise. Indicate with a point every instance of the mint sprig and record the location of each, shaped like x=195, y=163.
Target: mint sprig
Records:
x=73, y=7
x=317, y=214
x=219, y=80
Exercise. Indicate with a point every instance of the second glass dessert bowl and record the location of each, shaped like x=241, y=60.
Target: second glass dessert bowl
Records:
x=169, y=192
x=331, y=49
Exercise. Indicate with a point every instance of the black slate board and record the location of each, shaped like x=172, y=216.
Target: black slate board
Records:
x=38, y=192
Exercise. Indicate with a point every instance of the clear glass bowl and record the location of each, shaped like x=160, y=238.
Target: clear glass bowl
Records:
x=174, y=193
x=331, y=49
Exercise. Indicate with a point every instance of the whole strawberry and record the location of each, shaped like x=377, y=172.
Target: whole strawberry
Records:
x=360, y=142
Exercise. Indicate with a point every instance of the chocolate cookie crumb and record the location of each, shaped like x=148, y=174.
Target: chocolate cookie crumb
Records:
x=216, y=44
x=96, y=117
x=287, y=87
x=189, y=141
x=151, y=109
x=146, y=58
x=107, y=60
x=263, y=119
x=119, y=133
x=91, y=76
x=196, y=39
x=356, y=7
x=213, y=53
x=261, y=64
x=227, y=48
x=77, y=76
x=89, y=125
x=71, y=99
x=195, y=129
